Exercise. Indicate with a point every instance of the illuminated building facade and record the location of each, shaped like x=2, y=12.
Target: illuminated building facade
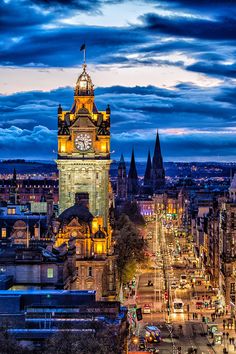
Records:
x=84, y=150
x=84, y=188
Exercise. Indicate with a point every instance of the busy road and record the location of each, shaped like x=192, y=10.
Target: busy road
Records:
x=176, y=297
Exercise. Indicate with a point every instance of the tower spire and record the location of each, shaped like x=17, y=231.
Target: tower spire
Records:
x=148, y=171
x=122, y=179
x=158, y=172
x=133, y=185
x=147, y=182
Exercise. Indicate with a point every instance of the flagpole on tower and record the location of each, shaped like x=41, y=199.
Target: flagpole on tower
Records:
x=83, y=47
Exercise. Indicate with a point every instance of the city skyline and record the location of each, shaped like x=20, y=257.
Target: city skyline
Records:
x=166, y=65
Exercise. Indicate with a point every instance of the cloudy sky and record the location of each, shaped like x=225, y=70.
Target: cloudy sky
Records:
x=159, y=64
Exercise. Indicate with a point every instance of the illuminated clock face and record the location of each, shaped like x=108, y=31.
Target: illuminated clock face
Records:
x=83, y=84
x=83, y=142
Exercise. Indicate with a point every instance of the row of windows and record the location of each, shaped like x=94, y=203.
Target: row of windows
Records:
x=89, y=273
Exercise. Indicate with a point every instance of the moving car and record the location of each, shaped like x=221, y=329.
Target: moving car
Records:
x=152, y=334
x=146, y=308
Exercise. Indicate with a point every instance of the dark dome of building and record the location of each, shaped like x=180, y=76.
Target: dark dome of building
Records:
x=99, y=234
x=78, y=210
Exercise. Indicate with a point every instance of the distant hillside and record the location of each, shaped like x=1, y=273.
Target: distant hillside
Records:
x=27, y=167
x=173, y=169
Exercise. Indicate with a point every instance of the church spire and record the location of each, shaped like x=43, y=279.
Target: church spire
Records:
x=133, y=185
x=122, y=179
x=148, y=171
x=147, y=182
x=158, y=172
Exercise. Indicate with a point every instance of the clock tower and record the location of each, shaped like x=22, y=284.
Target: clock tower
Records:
x=84, y=151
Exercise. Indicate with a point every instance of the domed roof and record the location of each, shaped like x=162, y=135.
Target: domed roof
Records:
x=84, y=85
x=99, y=233
x=78, y=210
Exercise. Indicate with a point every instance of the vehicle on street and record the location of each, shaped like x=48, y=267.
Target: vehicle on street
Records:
x=183, y=279
x=152, y=334
x=174, y=285
x=146, y=308
x=199, y=305
x=178, y=306
x=217, y=338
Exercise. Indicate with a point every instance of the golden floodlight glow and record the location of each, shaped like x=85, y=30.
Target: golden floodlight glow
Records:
x=103, y=147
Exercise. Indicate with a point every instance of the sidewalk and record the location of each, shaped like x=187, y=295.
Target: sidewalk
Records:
x=219, y=348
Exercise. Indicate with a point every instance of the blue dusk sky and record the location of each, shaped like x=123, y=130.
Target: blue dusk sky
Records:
x=159, y=64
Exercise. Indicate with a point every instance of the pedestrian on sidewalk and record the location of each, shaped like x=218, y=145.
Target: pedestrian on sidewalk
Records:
x=227, y=335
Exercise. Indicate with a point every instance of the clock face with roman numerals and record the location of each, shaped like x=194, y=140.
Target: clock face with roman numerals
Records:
x=83, y=141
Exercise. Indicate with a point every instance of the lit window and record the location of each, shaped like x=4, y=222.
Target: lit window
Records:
x=11, y=211
x=99, y=248
x=36, y=231
x=4, y=232
x=50, y=272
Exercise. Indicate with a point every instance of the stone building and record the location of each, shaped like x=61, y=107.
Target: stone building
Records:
x=84, y=151
x=85, y=194
x=39, y=266
x=94, y=259
x=228, y=243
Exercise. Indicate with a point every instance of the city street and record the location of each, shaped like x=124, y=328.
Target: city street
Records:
x=176, y=296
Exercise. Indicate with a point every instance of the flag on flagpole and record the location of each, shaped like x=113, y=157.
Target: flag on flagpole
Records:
x=82, y=47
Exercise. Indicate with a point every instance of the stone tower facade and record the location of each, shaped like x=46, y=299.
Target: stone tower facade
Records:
x=84, y=151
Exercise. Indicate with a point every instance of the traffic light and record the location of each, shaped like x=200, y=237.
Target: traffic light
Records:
x=166, y=295
x=139, y=314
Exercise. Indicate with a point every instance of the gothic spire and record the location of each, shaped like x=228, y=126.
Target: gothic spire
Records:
x=133, y=186
x=122, y=179
x=158, y=172
x=148, y=171
x=157, y=161
x=132, y=170
x=122, y=160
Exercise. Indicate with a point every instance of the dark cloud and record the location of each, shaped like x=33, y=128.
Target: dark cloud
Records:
x=17, y=17
x=185, y=116
x=38, y=143
x=202, y=7
x=32, y=34
x=212, y=68
x=61, y=47
x=222, y=28
x=82, y=5
x=181, y=148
